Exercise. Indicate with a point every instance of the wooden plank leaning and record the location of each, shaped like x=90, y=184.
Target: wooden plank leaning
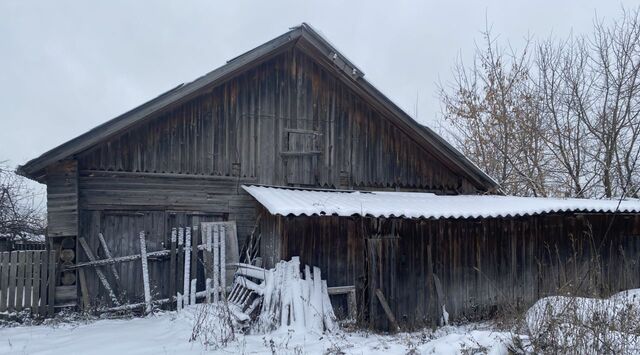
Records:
x=387, y=310
x=145, y=273
x=107, y=253
x=101, y=276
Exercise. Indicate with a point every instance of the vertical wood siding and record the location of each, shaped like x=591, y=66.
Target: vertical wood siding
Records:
x=258, y=125
x=62, y=199
x=483, y=264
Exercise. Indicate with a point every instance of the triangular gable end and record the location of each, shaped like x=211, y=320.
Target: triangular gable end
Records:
x=312, y=43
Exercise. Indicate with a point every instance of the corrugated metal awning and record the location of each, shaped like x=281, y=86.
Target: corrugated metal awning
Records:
x=293, y=201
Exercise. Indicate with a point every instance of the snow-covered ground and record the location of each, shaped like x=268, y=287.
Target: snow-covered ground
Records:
x=169, y=333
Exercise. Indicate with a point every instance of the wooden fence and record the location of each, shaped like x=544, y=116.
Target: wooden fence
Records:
x=196, y=258
x=27, y=281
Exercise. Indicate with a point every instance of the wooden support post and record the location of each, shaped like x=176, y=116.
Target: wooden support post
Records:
x=51, y=299
x=145, y=273
x=180, y=263
x=44, y=279
x=223, y=263
x=101, y=276
x=387, y=310
x=195, y=236
x=172, y=264
x=83, y=290
x=187, y=266
x=216, y=261
x=192, y=295
x=206, y=234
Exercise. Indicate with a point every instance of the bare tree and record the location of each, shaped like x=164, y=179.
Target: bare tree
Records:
x=563, y=119
x=20, y=211
x=493, y=110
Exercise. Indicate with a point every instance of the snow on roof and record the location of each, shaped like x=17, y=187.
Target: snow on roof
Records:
x=294, y=201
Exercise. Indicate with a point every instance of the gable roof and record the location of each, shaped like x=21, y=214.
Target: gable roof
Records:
x=309, y=40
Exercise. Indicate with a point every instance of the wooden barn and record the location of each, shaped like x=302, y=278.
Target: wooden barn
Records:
x=295, y=116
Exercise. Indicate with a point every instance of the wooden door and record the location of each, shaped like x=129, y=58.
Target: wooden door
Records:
x=121, y=231
x=301, y=156
x=382, y=267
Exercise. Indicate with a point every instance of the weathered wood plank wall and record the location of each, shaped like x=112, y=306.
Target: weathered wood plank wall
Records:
x=62, y=199
x=289, y=120
x=260, y=125
x=482, y=263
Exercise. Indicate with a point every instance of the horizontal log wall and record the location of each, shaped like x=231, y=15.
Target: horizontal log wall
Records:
x=483, y=264
x=123, y=191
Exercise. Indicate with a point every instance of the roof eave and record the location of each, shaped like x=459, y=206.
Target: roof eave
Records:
x=178, y=94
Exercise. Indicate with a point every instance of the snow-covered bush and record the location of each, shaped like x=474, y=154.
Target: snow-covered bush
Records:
x=578, y=325
x=213, y=325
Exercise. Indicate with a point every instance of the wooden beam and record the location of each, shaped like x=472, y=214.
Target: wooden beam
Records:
x=145, y=273
x=101, y=275
x=387, y=310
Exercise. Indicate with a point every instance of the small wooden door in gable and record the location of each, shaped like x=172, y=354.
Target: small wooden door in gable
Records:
x=301, y=156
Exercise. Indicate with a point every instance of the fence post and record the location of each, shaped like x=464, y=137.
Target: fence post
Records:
x=145, y=273
x=52, y=282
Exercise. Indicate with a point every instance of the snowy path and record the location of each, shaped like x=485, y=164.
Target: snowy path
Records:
x=168, y=333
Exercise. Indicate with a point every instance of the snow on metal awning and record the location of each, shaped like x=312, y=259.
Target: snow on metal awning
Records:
x=294, y=201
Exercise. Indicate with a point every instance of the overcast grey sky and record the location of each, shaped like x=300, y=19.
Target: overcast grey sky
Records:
x=67, y=66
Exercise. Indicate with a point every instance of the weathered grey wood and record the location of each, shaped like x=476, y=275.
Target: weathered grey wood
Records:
x=107, y=253
x=101, y=276
x=84, y=292
x=145, y=273
x=387, y=310
x=172, y=263
x=216, y=261
x=350, y=291
x=181, y=265
x=187, y=266
x=439, y=293
x=195, y=237
x=208, y=259
x=35, y=300
x=44, y=283
x=28, y=279
x=62, y=198
x=20, y=282
x=4, y=280
x=13, y=279
x=66, y=296
x=51, y=297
